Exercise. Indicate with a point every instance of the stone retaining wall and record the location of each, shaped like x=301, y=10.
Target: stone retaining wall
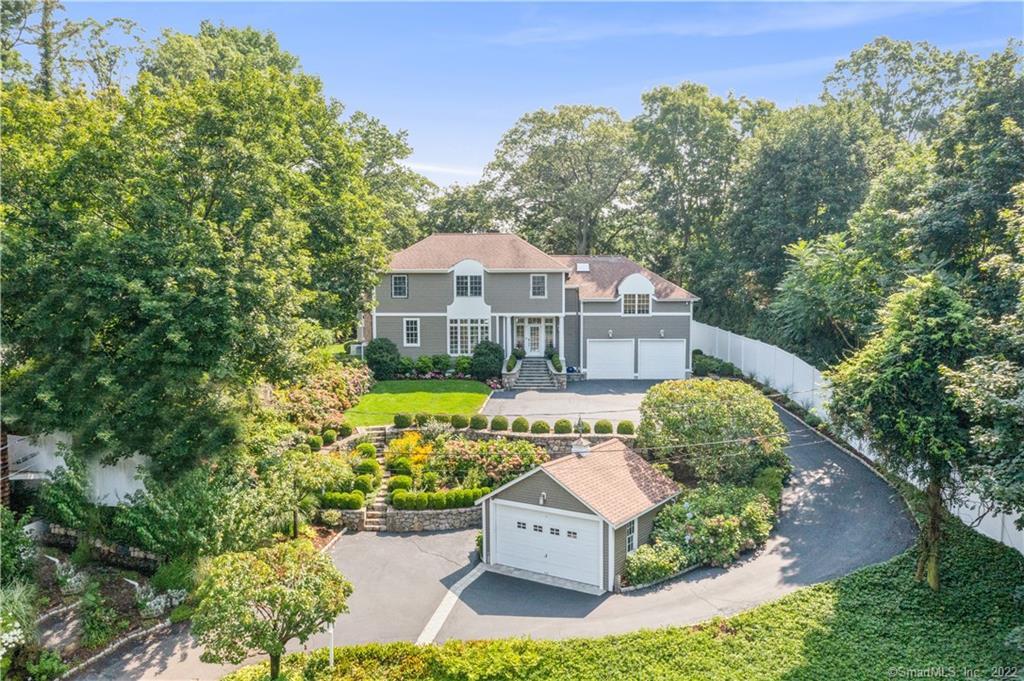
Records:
x=353, y=520
x=107, y=552
x=556, y=445
x=445, y=519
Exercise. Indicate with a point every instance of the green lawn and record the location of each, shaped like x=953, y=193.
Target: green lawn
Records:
x=876, y=623
x=388, y=398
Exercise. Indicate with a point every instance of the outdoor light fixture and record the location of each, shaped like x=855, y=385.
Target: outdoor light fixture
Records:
x=662, y=332
x=543, y=498
x=610, y=332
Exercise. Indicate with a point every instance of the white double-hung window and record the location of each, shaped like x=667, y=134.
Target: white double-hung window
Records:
x=538, y=286
x=469, y=285
x=464, y=334
x=411, y=328
x=399, y=285
x=636, y=303
x=631, y=537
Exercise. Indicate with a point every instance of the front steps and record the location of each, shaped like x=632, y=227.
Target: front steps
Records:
x=376, y=509
x=534, y=375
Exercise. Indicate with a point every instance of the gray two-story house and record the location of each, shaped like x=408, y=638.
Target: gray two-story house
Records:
x=605, y=316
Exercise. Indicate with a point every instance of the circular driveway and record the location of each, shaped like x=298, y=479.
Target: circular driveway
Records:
x=837, y=516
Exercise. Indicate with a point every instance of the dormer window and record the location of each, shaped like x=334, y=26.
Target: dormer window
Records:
x=538, y=286
x=636, y=304
x=469, y=285
x=399, y=285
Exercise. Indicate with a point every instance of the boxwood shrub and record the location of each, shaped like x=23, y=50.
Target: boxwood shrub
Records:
x=364, y=483
x=460, y=421
x=329, y=436
x=520, y=425
x=344, y=429
x=402, y=420
x=382, y=357
x=540, y=427
x=368, y=467
x=478, y=422
x=366, y=450
x=582, y=427
x=603, y=427
x=437, y=500
x=399, y=482
x=421, y=419
x=625, y=428
x=406, y=500
x=343, y=500
x=563, y=426
x=400, y=466
x=315, y=442
x=499, y=423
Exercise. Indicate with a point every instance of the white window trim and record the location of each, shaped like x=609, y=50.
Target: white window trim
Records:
x=394, y=277
x=455, y=285
x=631, y=528
x=405, y=332
x=484, y=323
x=544, y=278
x=650, y=305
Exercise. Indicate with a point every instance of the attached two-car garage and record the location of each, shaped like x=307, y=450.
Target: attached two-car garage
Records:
x=645, y=358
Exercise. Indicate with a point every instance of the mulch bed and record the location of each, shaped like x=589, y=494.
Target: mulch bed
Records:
x=323, y=536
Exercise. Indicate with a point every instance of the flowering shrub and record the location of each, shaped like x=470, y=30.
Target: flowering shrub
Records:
x=70, y=581
x=409, y=446
x=497, y=461
x=652, y=562
x=320, y=400
x=153, y=604
x=713, y=524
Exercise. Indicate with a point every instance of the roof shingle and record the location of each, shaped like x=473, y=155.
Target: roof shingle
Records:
x=495, y=251
x=613, y=480
x=607, y=271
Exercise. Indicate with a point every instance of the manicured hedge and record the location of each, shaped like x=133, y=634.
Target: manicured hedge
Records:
x=405, y=500
x=368, y=467
x=539, y=427
x=381, y=355
x=364, y=483
x=563, y=426
x=625, y=427
x=402, y=420
x=652, y=562
x=330, y=435
x=478, y=422
x=603, y=427
x=343, y=500
x=399, y=482
x=366, y=450
x=344, y=429
x=520, y=425
x=315, y=442
x=499, y=423
x=400, y=466
x=460, y=421
x=421, y=419
x=861, y=626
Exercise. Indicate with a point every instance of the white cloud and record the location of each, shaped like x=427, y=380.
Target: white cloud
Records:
x=730, y=21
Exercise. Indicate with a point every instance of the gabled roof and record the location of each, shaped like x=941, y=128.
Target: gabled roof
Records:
x=612, y=480
x=605, y=273
x=495, y=251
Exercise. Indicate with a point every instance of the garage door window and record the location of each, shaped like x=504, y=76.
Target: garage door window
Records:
x=554, y=531
x=521, y=525
x=570, y=534
x=538, y=528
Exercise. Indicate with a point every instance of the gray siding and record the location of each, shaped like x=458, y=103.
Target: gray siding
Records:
x=571, y=346
x=634, y=327
x=433, y=335
x=611, y=306
x=528, y=491
x=509, y=292
x=615, y=306
x=645, y=524
x=674, y=306
x=428, y=292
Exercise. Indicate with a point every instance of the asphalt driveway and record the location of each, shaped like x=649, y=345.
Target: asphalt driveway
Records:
x=593, y=400
x=838, y=515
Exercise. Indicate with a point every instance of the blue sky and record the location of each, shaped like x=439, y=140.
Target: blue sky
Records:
x=456, y=76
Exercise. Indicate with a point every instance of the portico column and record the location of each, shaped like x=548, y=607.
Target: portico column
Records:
x=508, y=334
x=561, y=339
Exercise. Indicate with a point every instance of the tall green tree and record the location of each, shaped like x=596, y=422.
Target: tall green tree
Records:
x=908, y=85
x=459, y=209
x=892, y=392
x=687, y=141
x=260, y=600
x=564, y=178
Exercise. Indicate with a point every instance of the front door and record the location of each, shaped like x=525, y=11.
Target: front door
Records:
x=535, y=338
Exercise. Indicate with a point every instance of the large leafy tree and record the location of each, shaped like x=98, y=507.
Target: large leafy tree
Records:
x=563, y=178
x=178, y=226
x=892, y=392
x=459, y=209
x=260, y=600
x=908, y=85
x=687, y=140
x=802, y=174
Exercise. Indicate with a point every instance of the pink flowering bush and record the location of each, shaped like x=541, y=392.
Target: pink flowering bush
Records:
x=320, y=401
x=495, y=462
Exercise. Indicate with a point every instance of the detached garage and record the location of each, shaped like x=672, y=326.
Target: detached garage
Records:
x=571, y=521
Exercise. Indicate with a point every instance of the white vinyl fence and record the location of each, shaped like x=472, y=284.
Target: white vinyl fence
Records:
x=805, y=385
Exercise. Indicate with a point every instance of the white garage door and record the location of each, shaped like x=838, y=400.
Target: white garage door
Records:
x=610, y=358
x=662, y=358
x=548, y=542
